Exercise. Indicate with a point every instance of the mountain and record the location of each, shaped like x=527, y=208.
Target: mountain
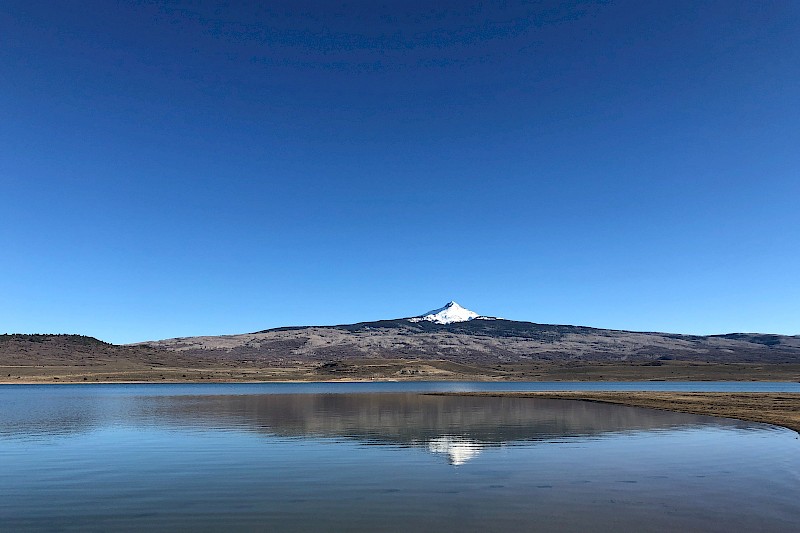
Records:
x=458, y=335
x=451, y=343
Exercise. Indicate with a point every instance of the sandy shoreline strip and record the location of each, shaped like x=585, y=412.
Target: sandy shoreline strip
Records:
x=780, y=409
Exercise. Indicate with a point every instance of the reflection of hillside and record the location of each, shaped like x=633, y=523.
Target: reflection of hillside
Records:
x=410, y=418
x=452, y=426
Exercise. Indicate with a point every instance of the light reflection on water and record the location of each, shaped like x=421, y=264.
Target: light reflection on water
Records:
x=77, y=460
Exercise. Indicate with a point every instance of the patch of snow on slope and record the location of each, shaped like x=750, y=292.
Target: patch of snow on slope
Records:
x=448, y=314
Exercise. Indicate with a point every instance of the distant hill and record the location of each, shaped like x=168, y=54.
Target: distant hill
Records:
x=16, y=347
x=20, y=349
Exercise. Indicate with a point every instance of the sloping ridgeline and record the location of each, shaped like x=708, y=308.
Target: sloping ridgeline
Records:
x=488, y=340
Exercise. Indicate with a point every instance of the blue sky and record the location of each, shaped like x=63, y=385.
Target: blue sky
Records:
x=175, y=169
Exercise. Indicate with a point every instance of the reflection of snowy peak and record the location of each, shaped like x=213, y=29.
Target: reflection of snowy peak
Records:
x=448, y=314
x=458, y=449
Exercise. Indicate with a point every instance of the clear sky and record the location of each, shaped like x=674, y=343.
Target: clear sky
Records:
x=172, y=169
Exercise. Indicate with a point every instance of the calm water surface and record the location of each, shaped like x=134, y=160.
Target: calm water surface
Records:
x=230, y=457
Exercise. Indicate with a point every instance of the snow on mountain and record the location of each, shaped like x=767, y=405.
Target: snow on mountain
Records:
x=452, y=312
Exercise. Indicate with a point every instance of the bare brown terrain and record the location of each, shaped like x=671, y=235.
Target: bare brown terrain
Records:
x=781, y=409
x=62, y=358
x=478, y=350
x=481, y=342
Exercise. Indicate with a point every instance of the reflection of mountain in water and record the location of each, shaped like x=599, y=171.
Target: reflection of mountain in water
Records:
x=452, y=426
x=457, y=449
x=457, y=427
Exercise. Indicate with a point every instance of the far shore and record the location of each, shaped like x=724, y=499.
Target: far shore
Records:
x=374, y=369
x=780, y=409
x=118, y=378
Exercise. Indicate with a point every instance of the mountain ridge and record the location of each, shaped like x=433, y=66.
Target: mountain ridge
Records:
x=456, y=334
x=401, y=348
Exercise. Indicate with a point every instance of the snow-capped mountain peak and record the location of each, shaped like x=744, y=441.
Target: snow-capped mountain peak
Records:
x=452, y=312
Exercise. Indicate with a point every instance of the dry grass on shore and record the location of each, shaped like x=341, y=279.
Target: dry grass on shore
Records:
x=171, y=368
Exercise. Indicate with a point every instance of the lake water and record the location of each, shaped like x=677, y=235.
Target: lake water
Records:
x=234, y=457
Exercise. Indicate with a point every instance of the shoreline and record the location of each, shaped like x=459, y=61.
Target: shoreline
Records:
x=48, y=380
x=220, y=382
x=76, y=370
x=778, y=409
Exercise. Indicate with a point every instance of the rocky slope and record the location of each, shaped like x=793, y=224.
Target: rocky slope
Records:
x=455, y=334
